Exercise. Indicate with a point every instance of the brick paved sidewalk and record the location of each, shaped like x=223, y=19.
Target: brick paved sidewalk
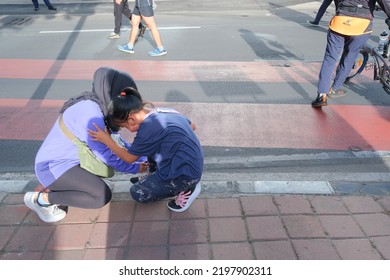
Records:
x=274, y=227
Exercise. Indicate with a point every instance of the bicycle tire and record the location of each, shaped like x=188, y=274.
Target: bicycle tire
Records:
x=358, y=66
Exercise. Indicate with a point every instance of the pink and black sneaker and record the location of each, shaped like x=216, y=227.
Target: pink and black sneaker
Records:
x=183, y=200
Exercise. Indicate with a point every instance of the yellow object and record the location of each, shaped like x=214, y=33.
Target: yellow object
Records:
x=351, y=26
x=88, y=160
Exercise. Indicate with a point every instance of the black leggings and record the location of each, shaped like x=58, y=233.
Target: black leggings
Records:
x=79, y=188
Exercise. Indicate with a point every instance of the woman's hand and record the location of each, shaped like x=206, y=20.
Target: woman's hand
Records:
x=100, y=135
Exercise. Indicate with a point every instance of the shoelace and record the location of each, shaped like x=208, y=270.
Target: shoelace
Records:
x=54, y=208
x=182, y=198
x=126, y=47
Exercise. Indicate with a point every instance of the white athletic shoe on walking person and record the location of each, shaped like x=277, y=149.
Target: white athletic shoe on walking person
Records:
x=114, y=35
x=48, y=214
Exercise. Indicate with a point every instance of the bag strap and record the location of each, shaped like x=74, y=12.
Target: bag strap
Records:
x=65, y=130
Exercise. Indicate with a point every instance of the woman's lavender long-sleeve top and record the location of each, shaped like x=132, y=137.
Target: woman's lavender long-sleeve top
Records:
x=58, y=154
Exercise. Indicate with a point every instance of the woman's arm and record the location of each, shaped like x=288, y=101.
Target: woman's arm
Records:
x=105, y=138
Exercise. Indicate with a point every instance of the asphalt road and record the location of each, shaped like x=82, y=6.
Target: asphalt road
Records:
x=246, y=71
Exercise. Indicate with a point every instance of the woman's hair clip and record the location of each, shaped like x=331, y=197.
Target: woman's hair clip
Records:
x=123, y=93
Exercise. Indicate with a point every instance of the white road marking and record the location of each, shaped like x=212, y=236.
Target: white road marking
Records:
x=107, y=30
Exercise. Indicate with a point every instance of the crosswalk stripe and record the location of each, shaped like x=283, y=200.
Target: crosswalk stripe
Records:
x=109, y=30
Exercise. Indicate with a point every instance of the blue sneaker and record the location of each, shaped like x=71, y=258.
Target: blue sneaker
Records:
x=126, y=48
x=158, y=52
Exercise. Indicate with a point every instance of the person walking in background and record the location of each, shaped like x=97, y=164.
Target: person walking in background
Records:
x=144, y=10
x=348, y=31
x=63, y=182
x=167, y=137
x=321, y=11
x=122, y=7
x=47, y=2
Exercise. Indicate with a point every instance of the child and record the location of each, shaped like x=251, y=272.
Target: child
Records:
x=165, y=136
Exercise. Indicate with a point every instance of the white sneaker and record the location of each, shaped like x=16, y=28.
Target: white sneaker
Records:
x=113, y=35
x=48, y=214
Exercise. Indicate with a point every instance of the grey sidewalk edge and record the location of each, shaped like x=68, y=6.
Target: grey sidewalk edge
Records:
x=211, y=187
x=272, y=184
x=215, y=188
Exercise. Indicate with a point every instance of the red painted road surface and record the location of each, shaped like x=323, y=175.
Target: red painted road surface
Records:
x=161, y=70
x=219, y=124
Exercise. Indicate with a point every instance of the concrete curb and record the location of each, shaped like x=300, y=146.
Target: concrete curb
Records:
x=233, y=188
x=210, y=187
x=251, y=187
x=222, y=184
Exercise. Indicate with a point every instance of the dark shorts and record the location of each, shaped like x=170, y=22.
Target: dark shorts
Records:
x=143, y=8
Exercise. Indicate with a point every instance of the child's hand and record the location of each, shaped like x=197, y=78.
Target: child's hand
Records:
x=99, y=135
x=193, y=126
x=143, y=166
